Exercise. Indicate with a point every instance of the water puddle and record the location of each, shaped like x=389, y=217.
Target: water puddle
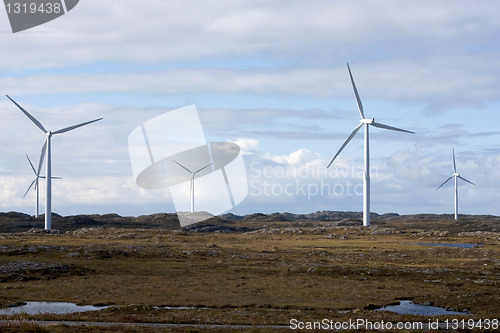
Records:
x=460, y=245
x=34, y=308
x=408, y=307
x=176, y=307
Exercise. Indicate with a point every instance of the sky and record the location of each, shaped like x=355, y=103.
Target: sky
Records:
x=270, y=76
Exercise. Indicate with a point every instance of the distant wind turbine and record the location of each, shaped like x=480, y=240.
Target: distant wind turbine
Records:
x=191, y=185
x=366, y=177
x=456, y=175
x=36, y=183
x=46, y=149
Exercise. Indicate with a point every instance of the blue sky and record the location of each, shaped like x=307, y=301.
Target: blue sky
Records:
x=272, y=77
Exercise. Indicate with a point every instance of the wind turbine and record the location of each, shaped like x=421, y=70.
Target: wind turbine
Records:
x=46, y=149
x=35, y=182
x=456, y=175
x=191, y=185
x=366, y=177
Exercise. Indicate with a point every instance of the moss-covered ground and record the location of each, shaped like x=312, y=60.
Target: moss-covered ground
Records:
x=262, y=277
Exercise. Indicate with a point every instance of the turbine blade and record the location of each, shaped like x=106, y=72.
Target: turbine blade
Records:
x=466, y=180
x=358, y=100
x=29, y=188
x=42, y=156
x=206, y=166
x=182, y=166
x=454, y=165
x=444, y=182
x=33, y=119
x=32, y=167
x=345, y=143
x=390, y=127
x=75, y=126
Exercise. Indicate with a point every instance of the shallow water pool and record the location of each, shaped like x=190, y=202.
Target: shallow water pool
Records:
x=34, y=308
x=408, y=307
x=460, y=245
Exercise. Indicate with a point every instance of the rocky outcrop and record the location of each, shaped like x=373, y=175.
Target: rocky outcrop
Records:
x=381, y=223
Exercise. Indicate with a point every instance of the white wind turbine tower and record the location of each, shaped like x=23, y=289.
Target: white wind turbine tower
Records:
x=366, y=178
x=456, y=175
x=191, y=185
x=46, y=149
x=36, y=183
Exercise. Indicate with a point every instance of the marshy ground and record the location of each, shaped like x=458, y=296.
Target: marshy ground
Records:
x=267, y=274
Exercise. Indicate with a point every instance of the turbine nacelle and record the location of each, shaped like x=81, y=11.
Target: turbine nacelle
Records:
x=367, y=121
x=456, y=175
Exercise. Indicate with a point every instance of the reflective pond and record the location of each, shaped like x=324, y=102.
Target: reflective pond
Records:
x=408, y=307
x=34, y=308
x=460, y=245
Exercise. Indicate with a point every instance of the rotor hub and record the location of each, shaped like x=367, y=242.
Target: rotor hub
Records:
x=367, y=121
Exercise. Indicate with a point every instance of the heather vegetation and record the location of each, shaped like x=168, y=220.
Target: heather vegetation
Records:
x=256, y=269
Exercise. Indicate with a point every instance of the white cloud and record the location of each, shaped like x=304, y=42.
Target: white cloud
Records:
x=406, y=52
x=415, y=168
x=298, y=158
x=438, y=84
x=162, y=31
x=247, y=146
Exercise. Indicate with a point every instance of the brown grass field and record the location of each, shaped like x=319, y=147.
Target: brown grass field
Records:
x=266, y=276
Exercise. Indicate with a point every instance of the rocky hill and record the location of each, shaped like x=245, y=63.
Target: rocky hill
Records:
x=19, y=222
